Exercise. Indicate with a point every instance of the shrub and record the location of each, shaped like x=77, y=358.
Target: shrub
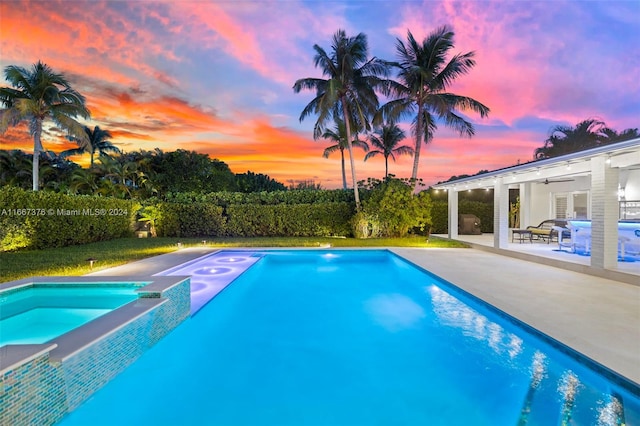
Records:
x=392, y=210
x=45, y=219
x=225, y=199
x=439, y=214
x=318, y=219
x=186, y=220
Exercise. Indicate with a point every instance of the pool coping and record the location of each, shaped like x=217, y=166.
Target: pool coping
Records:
x=12, y=356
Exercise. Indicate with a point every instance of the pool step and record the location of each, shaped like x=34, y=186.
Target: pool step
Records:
x=562, y=400
x=213, y=273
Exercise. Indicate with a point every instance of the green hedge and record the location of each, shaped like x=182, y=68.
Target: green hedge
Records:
x=225, y=199
x=439, y=214
x=439, y=217
x=297, y=220
x=43, y=219
x=189, y=220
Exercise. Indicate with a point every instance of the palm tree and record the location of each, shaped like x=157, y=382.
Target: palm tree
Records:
x=386, y=140
x=609, y=136
x=424, y=76
x=96, y=140
x=349, y=87
x=338, y=135
x=36, y=95
x=566, y=139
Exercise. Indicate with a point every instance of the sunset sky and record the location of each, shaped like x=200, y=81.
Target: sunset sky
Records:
x=216, y=76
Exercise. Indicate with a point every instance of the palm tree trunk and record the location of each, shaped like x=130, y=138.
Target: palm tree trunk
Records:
x=419, y=133
x=37, y=149
x=344, y=173
x=386, y=166
x=345, y=111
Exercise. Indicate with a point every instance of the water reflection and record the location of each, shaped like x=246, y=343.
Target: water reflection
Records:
x=454, y=313
x=574, y=401
x=394, y=312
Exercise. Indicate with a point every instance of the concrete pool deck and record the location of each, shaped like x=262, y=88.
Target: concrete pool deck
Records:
x=596, y=316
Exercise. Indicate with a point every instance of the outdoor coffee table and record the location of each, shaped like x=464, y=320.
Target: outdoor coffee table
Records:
x=521, y=234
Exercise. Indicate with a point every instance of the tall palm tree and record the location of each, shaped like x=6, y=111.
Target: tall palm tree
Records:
x=338, y=135
x=424, y=76
x=349, y=87
x=567, y=139
x=95, y=141
x=387, y=140
x=36, y=95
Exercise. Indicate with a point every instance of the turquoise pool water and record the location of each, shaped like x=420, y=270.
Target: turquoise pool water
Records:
x=355, y=338
x=41, y=312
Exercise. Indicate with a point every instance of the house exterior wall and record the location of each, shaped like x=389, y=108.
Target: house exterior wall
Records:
x=630, y=181
x=542, y=197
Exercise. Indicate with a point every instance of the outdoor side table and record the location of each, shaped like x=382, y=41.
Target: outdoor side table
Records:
x=521, y=235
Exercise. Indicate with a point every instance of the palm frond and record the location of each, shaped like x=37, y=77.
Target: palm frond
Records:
x=372, y=154
x=330, y=150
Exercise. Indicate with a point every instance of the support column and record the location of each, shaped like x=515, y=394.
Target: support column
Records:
x=501, y=214
x=525, y=205
x=604, y=214
x=453, y=213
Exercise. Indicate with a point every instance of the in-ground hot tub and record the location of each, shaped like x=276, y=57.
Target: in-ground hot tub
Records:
x=86, y=331
x=39, y=312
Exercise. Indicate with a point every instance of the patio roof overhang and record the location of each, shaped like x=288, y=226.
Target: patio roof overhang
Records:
x=623, y=155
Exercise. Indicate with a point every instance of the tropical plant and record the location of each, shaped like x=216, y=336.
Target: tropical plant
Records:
x=55, y=171
x=352, y=79
x=15, y=168
x=567, y=139
x=150, y=216
x=84, y=181
x=609, y=136
x=183, y=170
x=36, y=95
x=425, y=75
x=338, y=135
x=392, y=210
x=387, y=140
x=95, y=141
x=257, y=182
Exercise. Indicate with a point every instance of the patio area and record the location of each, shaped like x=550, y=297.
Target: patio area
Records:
x=548, y=254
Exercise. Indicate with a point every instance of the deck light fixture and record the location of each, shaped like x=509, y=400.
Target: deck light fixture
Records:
x=91, y=261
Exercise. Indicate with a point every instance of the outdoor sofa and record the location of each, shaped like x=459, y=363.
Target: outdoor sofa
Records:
x=545, y=230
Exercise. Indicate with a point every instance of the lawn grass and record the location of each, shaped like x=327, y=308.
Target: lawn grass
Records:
x=73, y=260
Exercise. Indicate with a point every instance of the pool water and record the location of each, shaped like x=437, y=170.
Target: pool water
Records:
x=41, y=312
x=354, y=338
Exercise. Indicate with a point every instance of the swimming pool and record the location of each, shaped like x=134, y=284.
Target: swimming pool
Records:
x=355, y=337
x=40, y=312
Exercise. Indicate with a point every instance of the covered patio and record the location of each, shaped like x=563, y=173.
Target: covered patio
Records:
x=548, y=254
x=600, y=185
